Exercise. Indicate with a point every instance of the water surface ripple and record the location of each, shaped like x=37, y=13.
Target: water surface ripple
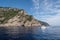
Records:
x=30, y=33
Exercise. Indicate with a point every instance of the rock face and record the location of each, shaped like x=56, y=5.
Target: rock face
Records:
x=18, y=17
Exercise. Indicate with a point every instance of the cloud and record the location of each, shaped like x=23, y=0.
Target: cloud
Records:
x=54, y=20
x=36, y=6
x=47, y=10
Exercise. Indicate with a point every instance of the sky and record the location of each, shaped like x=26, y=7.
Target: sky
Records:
x=44, y=10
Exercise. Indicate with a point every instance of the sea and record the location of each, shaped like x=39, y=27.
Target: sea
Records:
x=30, y=33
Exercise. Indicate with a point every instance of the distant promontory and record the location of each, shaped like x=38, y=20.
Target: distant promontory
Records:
x=18, y=17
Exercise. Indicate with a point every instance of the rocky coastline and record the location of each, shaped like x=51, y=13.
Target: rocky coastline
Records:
x=18, y=17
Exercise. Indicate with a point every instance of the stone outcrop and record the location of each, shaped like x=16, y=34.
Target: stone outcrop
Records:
x=20, y=19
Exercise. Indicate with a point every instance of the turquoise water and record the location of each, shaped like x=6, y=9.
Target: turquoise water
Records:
x=30, y=33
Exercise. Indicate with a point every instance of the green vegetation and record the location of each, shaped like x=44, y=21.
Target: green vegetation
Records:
x=28, y=17
x=7, y=15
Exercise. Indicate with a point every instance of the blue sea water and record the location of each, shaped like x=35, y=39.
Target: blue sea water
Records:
x=30, y=33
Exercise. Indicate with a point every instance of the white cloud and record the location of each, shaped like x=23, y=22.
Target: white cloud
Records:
x=47, y=10
x=36, y=6
x=54, y=20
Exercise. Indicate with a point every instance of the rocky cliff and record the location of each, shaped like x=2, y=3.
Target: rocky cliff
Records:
x=18, y=17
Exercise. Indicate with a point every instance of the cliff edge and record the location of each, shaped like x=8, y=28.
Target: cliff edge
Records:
x=18, y=17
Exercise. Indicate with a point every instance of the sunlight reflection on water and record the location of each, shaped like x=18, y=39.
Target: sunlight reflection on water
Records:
x=34, y=33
